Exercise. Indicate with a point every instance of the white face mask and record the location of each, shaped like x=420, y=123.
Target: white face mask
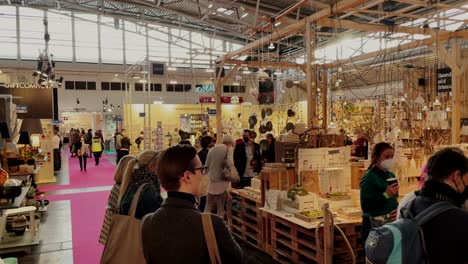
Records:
x=203, y=187
x=388, y=164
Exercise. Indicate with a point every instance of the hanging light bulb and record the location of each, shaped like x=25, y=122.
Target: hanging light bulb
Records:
x=436, y=102
x=448, y=109
x=272, y=46
x=425, y=108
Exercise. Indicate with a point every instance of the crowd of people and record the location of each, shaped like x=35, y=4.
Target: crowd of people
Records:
x=173, y=229
x=84, y=145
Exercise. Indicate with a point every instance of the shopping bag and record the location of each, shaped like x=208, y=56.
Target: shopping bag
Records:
x=124, y=244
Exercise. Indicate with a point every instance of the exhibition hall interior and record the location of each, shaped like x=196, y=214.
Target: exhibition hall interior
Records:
x=244, y=131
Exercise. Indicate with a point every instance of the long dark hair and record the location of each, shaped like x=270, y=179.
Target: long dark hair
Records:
x=378, y=149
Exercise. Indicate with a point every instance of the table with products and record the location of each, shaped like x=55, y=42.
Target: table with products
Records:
x=9, y=242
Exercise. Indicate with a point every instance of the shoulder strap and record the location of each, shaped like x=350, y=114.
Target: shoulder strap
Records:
x=432, y=212
x=210, y=238
x=135, y=200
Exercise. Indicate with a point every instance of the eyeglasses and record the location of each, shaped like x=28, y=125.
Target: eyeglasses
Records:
x=203, y=169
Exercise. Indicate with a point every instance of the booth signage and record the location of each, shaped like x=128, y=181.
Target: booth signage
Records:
x=224, y=100
x=212, y=112
x=25, y=86
x=141, y=114
x=21, y=109
x=444, y=80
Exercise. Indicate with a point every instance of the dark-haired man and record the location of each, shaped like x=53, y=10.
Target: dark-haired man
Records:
x=247, y=159
x=174, y=234
x=446, y=235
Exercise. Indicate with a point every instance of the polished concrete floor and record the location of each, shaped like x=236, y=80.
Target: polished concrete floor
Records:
x=55, y=226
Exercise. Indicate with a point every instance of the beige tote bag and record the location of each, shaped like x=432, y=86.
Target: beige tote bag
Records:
x=210, y=238
x=124, y=244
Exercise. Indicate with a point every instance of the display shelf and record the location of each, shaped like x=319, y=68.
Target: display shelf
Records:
x=245, y=219
x=23, y=243
x=292, y=240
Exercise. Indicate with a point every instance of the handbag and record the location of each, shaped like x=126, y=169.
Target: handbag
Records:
x=227, y=172
x=124, y=239
x=210, y=238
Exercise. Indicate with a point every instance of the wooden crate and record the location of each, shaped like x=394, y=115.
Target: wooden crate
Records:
x=245, y=219
x=277, y=178
x=291, y=243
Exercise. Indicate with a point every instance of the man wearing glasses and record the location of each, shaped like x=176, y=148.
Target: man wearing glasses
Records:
x=174, y=233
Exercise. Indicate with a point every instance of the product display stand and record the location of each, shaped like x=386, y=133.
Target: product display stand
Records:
x=13, y=243
x=159, y=137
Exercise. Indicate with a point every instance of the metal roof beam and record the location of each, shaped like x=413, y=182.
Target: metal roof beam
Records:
x=293, y=28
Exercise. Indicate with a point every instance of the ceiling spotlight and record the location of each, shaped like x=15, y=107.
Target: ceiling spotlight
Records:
x=136, y=77
x=209, y=70
x=244, y=15
x=272, y=46
x=1, y=71
x=116, y=75
x=171, y=68
x=210, y=5
x=235, y=84
x=173, y=82
x=425, y=108
x=277, y=24
x=246, y=72
x=437, y=102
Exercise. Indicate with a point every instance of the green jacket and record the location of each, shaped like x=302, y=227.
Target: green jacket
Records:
x=373, y=185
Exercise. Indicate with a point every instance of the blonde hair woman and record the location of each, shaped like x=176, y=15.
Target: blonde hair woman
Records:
x=150, y=199
x=113, y=201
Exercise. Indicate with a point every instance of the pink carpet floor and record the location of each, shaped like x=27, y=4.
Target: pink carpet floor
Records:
x=88, y=208
x=95, y=176
x=87, y=213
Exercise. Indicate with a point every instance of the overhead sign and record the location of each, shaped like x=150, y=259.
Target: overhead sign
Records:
x=212, y=112
x=25, y=86
x=158, y=68
x=141, y=114
x=444, y=80
x=224, y=100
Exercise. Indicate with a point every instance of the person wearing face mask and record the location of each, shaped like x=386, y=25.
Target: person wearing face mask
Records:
x=174, y=234
x=247, y=159
x=445, y=235
x=378, y=195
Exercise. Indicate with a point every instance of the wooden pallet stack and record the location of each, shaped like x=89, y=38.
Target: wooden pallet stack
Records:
x=245, y=220
x=291, y=243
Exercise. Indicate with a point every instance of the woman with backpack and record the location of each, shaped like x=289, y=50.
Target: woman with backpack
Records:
x=379, y=190
x=96, y=148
